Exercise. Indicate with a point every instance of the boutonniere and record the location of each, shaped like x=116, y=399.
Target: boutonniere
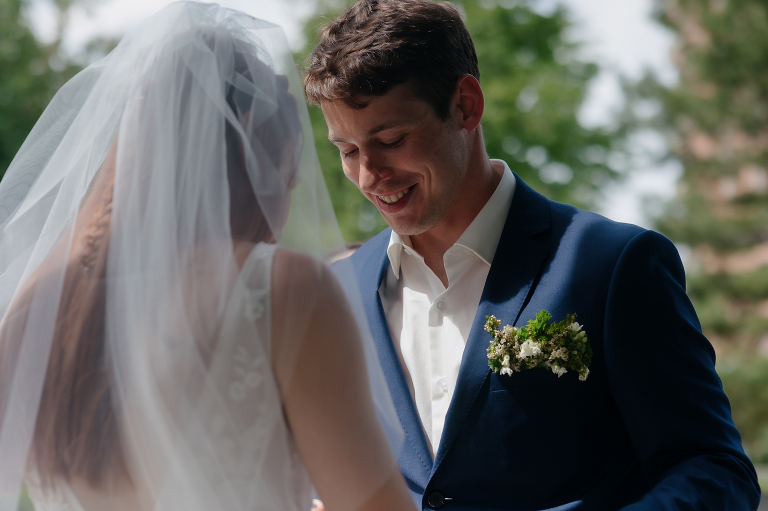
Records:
x=556, y=346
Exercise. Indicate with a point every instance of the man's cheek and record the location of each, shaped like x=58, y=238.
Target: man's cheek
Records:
x=352, y=174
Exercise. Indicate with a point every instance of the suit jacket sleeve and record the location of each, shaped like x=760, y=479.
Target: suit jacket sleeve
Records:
x=662, y=374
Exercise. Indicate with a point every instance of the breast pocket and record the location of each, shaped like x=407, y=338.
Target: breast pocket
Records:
x=530, y=426
x=536, y=404
x=531, y=378
x=547, y=413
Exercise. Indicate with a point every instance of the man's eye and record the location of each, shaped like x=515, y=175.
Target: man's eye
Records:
x=347, y=154
x=396, y=143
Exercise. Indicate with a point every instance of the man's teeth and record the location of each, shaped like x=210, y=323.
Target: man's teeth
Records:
x=391, y=199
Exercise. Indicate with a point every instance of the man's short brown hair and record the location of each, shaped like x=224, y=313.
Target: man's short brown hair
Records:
x=379, y=44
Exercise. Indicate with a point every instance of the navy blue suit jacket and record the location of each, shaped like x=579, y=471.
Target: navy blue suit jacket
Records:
x=650, y=429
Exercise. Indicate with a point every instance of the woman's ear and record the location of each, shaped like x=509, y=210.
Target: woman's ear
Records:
x=468, y=102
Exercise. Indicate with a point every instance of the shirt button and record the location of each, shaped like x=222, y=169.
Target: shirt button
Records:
x=444, y=385
x=441, y=305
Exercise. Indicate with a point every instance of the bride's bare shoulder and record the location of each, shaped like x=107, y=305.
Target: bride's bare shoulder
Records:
x=296, y=277
x=301, y=282
x=291, y=267
x=307, y=302
x=305, y=287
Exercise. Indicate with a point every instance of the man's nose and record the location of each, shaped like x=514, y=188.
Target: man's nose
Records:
x=374, y=170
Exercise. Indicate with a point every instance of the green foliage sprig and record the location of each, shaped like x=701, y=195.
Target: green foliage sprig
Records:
x=556, y=346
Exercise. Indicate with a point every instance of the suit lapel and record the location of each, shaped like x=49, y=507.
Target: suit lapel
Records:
x=518, y=260
x=415, y=460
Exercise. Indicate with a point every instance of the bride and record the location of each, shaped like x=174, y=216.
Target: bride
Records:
x=168, y=341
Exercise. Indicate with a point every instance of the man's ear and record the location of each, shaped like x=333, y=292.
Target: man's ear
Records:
x=468, y=102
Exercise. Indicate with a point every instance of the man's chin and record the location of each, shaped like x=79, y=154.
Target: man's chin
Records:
x=412, y=225
x=406, y=228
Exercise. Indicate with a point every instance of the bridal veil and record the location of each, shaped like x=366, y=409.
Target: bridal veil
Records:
x=117, y=223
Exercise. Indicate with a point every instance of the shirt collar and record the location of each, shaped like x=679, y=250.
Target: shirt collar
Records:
x=483, y=234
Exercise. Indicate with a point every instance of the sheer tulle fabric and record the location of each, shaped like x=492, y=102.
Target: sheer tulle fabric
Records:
x=128, y=196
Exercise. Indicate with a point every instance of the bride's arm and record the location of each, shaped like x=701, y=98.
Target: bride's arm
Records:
x=320, y=367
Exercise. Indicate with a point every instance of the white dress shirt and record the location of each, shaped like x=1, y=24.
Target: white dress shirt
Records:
x=430, y=323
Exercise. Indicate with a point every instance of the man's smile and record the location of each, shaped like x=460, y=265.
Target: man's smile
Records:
x=391, y=203
x=394, y=197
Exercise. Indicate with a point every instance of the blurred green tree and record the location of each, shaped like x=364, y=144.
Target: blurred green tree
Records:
x=30, y=73
x=715, y=120
x=534, y=84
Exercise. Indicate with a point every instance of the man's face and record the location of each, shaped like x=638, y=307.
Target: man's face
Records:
x=401, y=156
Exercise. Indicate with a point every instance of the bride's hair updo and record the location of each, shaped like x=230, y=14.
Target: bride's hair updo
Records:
x=276, y=143
x=77, y=433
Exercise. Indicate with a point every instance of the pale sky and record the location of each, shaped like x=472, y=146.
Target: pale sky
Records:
x=619, y=35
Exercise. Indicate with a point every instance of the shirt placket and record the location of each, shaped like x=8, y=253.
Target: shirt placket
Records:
x=438, y=384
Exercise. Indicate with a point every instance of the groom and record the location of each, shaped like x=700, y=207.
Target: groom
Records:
x=649, y=429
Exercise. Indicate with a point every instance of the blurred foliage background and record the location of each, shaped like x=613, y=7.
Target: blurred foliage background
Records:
x=714, y=121
x=30, y=73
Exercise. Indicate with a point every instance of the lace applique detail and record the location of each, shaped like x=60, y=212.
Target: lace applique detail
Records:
x=255, y=303
x=250, y=363
x=248, y=372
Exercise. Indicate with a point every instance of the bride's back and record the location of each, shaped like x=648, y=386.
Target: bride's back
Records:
x=157, y=351
x=250, y=449
x=119, y=218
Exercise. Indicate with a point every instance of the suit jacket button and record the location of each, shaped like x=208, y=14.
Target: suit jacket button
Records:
x=436, y=500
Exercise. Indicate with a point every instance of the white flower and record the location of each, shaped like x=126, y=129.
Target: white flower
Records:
x=575, y=327
x=561, y=353
x=559, y=371
x=529, y=349
x=506, y=370
x=505, y=361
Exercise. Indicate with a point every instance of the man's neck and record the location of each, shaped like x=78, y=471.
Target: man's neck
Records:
x=433, y=244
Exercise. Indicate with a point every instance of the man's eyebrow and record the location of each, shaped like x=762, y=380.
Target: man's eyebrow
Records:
x=373, y=131
x=383, y=127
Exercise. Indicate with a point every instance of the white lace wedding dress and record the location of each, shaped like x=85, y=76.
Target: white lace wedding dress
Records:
x=252, y=451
